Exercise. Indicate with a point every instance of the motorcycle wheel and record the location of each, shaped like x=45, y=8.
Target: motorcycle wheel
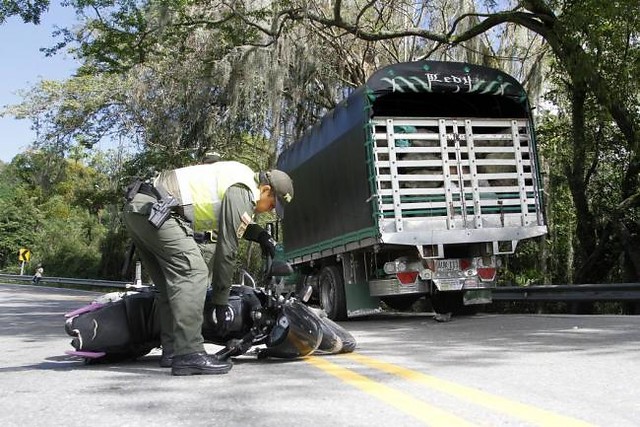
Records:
x=335, y=338
x=332, y=297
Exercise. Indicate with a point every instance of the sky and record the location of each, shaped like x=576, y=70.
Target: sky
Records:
x=22, y=65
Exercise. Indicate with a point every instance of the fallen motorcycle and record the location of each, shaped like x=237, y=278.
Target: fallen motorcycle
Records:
x=125, y=325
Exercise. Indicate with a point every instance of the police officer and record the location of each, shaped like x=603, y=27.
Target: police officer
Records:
x=222, y=197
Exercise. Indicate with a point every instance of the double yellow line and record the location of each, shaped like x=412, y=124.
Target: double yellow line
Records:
x=430, y=414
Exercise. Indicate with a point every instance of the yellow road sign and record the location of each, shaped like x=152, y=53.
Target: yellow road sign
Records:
x=24, y=255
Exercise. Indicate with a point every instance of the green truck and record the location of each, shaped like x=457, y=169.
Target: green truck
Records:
x=413, y=186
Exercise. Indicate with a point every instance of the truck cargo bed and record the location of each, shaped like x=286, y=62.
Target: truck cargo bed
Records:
x=426, y=153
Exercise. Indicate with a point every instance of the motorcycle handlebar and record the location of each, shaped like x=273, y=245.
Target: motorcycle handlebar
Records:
x=275, y=268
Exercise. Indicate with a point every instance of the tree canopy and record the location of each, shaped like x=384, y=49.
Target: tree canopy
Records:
x=174, y=79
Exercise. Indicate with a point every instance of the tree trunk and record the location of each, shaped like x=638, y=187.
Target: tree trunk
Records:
x=576, y=177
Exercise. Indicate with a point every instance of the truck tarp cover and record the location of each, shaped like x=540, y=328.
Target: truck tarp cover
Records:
x=330, y=165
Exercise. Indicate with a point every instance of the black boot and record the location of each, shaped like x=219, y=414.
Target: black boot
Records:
x=199, y=364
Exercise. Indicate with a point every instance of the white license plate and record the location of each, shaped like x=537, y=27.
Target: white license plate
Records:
x=447, y=265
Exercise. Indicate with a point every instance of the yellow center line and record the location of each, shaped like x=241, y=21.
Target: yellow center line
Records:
x=426, y=413
x=500, y=404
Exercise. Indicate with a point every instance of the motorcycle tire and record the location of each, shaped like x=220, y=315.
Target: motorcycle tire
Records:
x=335, y=338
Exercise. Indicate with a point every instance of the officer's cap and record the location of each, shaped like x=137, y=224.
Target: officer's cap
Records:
x=282, y=185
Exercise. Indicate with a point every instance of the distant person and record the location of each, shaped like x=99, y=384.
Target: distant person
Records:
x=38, y=275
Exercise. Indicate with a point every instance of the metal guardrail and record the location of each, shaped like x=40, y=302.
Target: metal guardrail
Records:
x=90, y=283
x=569, y=293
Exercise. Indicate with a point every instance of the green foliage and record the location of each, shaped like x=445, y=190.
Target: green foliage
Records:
x=68, y=242
x=29, y=11
x=64, y=223
x=19, y=221
x=113, y=249
x=555, y=148
x=524, y=267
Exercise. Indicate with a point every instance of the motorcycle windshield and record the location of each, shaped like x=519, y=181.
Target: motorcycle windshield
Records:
x=297, y=332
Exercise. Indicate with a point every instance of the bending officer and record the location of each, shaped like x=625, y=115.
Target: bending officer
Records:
x=162, y=218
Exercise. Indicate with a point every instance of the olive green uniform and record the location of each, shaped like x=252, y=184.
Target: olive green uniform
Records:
x=208, y=251
x=177, y=267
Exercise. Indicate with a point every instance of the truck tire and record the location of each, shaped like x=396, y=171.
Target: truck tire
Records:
x=331, y=290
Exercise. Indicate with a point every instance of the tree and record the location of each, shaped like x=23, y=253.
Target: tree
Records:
x=29, y=10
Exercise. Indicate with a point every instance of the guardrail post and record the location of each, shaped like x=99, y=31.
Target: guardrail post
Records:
x=138, y=281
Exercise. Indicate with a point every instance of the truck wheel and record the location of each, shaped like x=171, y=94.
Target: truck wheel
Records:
x=332, y=298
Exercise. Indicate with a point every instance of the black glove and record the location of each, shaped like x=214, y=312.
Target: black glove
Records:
x=255, y=233
x=223, y=317
x=267, y=244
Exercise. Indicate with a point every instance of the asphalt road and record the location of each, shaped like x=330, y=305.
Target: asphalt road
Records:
x=408, y=370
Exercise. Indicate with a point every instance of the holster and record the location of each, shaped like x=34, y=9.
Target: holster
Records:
x=161, y=210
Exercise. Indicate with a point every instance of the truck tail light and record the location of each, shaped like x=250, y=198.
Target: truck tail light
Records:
x=407, y=277
x=486, y=274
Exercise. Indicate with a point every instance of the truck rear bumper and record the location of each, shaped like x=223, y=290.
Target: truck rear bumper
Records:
x=390, y=287
x=393, y=287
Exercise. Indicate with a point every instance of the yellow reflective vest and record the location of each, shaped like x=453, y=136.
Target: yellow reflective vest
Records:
x=199, y=189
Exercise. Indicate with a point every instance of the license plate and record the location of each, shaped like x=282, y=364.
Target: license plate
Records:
x=447, y=265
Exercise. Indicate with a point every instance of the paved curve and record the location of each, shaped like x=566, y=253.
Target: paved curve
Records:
x=408, y=371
